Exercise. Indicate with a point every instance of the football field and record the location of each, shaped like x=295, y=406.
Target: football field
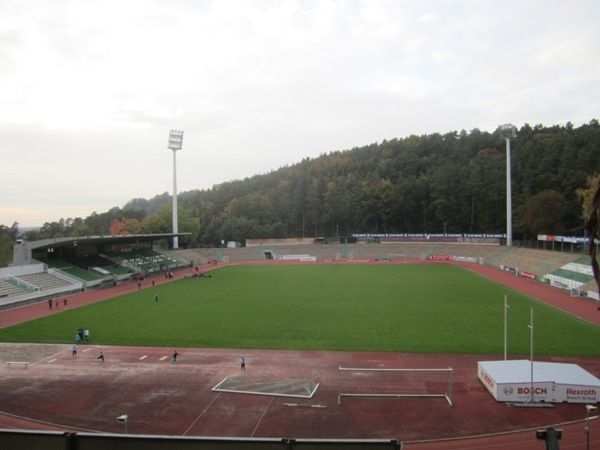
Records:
x=397, y=308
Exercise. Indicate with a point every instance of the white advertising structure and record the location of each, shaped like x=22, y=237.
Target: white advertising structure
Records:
x=297, y=257
x=511, y=381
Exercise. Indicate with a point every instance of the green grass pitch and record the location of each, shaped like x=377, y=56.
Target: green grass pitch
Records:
x=401, y=308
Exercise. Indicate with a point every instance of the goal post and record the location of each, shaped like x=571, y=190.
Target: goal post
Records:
x=395, y=383
x=397, y=257
x=575, y=292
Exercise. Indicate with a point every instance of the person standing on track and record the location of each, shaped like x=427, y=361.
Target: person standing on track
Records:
x=243, y=364
x=175, y=355
x=101, y=355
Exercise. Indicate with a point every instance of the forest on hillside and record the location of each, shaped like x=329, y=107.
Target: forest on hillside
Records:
x=435, y=183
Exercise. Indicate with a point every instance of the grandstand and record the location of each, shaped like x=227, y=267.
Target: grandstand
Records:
x=142, y=260
x=43, y=281
x=32, y=283
x=51, y=267
x=573, y=274
x=11, y=286
x=72, y=270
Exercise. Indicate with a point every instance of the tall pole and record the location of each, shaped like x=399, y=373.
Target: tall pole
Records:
x=588, y=409
x=175, y=143
x=506, y=307
x=508, y=196
x=587, y=427
x=531, y=354
x=507, y=132
x=175, y=219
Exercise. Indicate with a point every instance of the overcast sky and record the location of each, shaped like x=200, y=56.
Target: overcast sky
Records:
x=89, y=89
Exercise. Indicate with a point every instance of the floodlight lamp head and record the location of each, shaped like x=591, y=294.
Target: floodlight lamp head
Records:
x=122, y=418
x=591, y=408
x=507, y=131
x=175, y=140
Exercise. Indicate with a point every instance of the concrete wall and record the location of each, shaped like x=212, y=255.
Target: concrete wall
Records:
x=34, y=440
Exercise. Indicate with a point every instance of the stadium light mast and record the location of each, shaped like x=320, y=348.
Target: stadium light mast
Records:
x=175, y=143
x=507, y=132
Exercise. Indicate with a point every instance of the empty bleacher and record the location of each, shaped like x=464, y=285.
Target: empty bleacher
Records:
x=343, y=251
x=538, y=262
x=73, y=270
x=43, y=281
x=147, y=260
x=240, y=254
x=9, y=286
x=118, y=265
x=575, y=274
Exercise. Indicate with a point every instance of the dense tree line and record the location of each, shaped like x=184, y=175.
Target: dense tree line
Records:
x=453, y=182
x=8, y=236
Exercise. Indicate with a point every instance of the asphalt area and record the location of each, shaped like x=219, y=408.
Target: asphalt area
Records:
x=59, y=391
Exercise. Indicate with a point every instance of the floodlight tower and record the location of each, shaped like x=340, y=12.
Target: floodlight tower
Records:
x=175, y=142
x=507, y=132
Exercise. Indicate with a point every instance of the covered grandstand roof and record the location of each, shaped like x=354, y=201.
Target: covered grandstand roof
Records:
x=22, y=252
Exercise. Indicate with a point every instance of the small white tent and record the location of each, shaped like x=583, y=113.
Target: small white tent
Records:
x=520, y=381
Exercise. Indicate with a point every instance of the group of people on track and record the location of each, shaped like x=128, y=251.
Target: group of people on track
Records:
x=56, y=303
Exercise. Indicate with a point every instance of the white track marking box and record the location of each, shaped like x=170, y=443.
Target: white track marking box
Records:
x=511, y=381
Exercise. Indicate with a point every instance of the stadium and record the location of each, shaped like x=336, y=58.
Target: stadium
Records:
x=312, y=396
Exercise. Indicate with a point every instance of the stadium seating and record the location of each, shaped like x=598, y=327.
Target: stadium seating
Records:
x=10, y=286
x=43, y=281
x=147, y=260
x=72, y=270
